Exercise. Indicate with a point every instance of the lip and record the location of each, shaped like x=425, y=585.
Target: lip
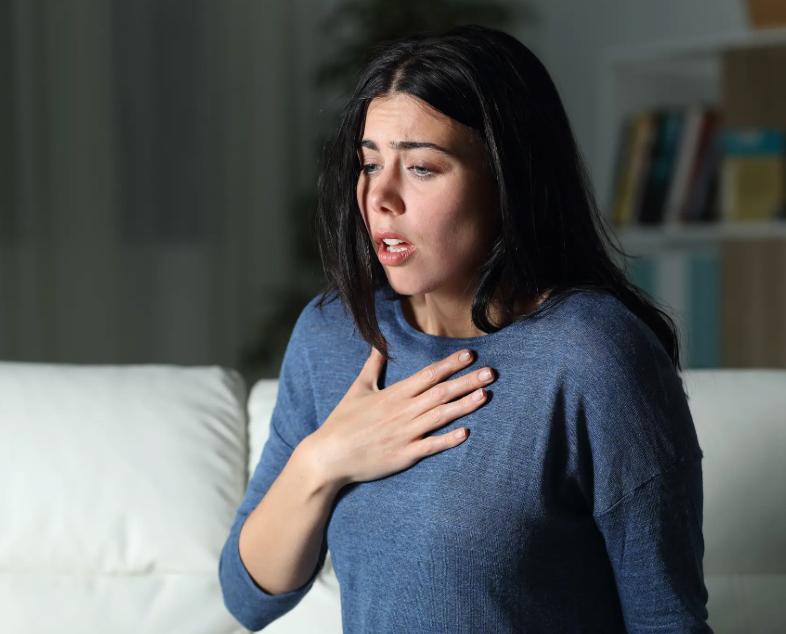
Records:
x=381, y=235
x=394, y=259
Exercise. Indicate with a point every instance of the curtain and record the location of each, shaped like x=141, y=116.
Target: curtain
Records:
x=149, y=151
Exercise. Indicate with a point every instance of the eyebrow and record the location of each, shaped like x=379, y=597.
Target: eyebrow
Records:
x=406, y=145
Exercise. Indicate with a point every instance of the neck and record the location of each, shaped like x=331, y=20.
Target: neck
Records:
x=437, y=315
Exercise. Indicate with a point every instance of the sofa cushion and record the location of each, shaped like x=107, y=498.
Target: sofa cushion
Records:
x=740, y=419
x=120, y=484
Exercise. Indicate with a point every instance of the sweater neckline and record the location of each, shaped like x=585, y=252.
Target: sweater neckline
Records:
x=426, y=338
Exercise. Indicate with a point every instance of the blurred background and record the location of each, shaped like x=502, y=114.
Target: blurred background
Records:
x=158, y=163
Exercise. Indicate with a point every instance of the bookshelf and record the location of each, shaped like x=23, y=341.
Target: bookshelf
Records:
x=647, y=76
x=679, y=264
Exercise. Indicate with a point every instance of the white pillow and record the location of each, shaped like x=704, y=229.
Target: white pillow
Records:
x=120, y=484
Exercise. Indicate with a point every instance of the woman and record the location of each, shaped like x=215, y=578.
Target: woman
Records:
x=456, y=217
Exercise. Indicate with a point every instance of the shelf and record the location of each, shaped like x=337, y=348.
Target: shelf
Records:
x=695, y=236
x=707, y=47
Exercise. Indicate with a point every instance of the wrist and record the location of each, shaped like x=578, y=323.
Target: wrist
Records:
x=314, y=469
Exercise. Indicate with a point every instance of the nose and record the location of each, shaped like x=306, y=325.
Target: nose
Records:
x=384, y=192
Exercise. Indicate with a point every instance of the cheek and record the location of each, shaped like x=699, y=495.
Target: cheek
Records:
x=360, y=197
x=455, y=222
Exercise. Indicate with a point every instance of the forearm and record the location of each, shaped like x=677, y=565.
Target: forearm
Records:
x=280, y=540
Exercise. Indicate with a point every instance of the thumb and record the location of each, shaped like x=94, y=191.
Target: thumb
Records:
x=373, y=367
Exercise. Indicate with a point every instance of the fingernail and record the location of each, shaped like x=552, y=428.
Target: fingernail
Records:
x=464, y=356
x=477, y=394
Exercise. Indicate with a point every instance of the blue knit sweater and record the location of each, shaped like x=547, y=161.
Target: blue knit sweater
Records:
x=574, y=505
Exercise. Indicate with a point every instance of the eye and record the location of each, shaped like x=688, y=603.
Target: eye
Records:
x=420, y=171
x=427, y=174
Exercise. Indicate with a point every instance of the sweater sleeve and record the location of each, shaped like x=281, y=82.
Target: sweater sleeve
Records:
x=293, y=418
x=637, y=437
x=654, y=541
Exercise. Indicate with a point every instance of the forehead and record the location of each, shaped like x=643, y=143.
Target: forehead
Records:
x=406, y=117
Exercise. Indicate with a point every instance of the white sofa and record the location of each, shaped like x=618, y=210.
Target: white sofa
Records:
x=119, y=484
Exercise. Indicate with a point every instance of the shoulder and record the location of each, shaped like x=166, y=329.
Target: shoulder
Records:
x=604, y=340
x=322, y=321
x=325, y=341
x=611, y=353
x=326, y=316
x=628, y=398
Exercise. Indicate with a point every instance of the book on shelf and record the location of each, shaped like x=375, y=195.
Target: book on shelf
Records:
x=668, y=167
x=655, y=183
x=753, y=174
x=698, y=204
x=632, y=154
x=693, y=129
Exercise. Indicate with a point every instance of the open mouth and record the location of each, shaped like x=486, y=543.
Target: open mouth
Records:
x=395, y=246
x=394, y=254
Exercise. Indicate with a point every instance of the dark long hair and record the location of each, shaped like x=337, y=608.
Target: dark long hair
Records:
x=551, y=236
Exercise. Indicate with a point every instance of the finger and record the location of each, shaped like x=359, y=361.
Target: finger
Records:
x=372, y=369
x=449, y=390
x=433, y=374
x=441, y=415
x=436, y=444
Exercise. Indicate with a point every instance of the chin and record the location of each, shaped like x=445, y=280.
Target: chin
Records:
x=405, y=283
x=402, y=287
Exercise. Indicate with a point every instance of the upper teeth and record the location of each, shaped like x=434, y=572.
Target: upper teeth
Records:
x=392, y=241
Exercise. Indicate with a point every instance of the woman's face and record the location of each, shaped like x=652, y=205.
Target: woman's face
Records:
x=443, y=202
